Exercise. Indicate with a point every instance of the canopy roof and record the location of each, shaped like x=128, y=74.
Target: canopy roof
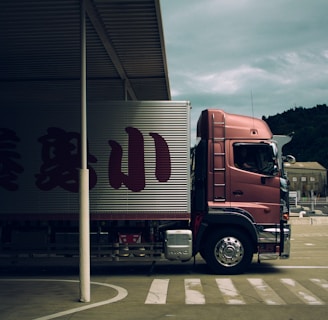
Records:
x=40, y=50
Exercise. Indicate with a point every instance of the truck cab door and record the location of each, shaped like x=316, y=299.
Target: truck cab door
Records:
x=254, y=181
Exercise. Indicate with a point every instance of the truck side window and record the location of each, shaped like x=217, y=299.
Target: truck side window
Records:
x=255, y=158
x=245, y=158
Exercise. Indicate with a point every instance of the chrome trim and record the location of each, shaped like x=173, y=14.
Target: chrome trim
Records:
x=268, y=256
x=271, y=235
x=287, y=235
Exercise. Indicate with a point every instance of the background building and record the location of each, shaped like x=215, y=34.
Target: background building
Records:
x=307, y=177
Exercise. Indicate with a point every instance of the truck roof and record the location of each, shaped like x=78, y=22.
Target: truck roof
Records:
x=218, y=123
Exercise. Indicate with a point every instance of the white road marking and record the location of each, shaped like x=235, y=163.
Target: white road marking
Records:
x=157, y=293
x=300, y=267
x=194, y=291
x=321, y=283
x=121, y=294
x=229, y=292
x=301, y=292
x=265, y=292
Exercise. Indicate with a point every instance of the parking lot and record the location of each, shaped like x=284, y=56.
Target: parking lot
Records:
x=49, y=289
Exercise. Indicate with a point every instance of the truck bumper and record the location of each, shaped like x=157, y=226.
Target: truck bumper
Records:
x=274, y=242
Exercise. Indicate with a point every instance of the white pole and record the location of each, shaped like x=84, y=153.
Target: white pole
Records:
x=84, y=177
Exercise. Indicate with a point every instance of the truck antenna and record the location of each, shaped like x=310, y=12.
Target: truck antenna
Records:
x=252, y=106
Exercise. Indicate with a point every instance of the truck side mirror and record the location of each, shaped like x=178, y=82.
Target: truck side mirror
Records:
x=290, y=159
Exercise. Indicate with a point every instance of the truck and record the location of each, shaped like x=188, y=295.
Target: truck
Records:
x=152, y=195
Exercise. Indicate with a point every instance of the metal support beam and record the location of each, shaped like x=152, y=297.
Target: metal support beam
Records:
x=98, y=25
x=84, y=177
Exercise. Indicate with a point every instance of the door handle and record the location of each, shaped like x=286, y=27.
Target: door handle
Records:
x=238, y=192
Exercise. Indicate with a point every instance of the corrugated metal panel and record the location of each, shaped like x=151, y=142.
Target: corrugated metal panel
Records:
x=40, y=49
x=39, y=39
x=139, y=185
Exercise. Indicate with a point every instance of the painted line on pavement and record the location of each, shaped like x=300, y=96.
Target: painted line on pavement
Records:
x=268, y=295
x=301, y=292
x=194, y=291
x=121, y=294
x=158, y=291
x=321, y=283
x=300, y=267
x=229, y=291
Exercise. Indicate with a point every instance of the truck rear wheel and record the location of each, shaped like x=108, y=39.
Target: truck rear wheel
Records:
x=228, y=252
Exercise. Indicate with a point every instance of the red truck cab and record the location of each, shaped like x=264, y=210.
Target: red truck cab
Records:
x=240, y=199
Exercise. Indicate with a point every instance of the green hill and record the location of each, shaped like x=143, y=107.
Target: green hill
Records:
x=310, y=127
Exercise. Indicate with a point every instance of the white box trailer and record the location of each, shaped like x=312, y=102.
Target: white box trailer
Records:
x=144, y=199
x=138, y=160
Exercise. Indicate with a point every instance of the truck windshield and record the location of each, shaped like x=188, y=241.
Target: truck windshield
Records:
x=256, y=157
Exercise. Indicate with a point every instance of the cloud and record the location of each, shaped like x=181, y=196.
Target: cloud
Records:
x=226, y=82
x=222, y=52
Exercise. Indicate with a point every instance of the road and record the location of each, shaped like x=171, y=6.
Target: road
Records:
x=296, y=288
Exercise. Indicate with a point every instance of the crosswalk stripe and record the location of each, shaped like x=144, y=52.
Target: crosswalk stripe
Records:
x=321, y=283
x=194, y=291
x=158, y=291
x=229, y=292
x=302, y=293
x=265, y=292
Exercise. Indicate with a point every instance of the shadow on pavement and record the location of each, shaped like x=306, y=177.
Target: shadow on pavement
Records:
x=70, y=267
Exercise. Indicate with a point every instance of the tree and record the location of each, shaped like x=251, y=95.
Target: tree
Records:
x=310, y=141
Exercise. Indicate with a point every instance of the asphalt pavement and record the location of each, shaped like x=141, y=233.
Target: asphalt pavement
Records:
x=41, y=289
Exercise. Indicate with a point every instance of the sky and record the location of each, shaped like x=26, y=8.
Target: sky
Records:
x=252, y=57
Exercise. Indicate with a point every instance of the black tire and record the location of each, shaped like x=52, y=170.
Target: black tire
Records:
x=228, y=251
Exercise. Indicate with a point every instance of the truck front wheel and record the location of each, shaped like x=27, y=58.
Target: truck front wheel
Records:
x=228, y=251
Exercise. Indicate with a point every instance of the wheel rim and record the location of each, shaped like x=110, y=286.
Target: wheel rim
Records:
x=229, y=251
